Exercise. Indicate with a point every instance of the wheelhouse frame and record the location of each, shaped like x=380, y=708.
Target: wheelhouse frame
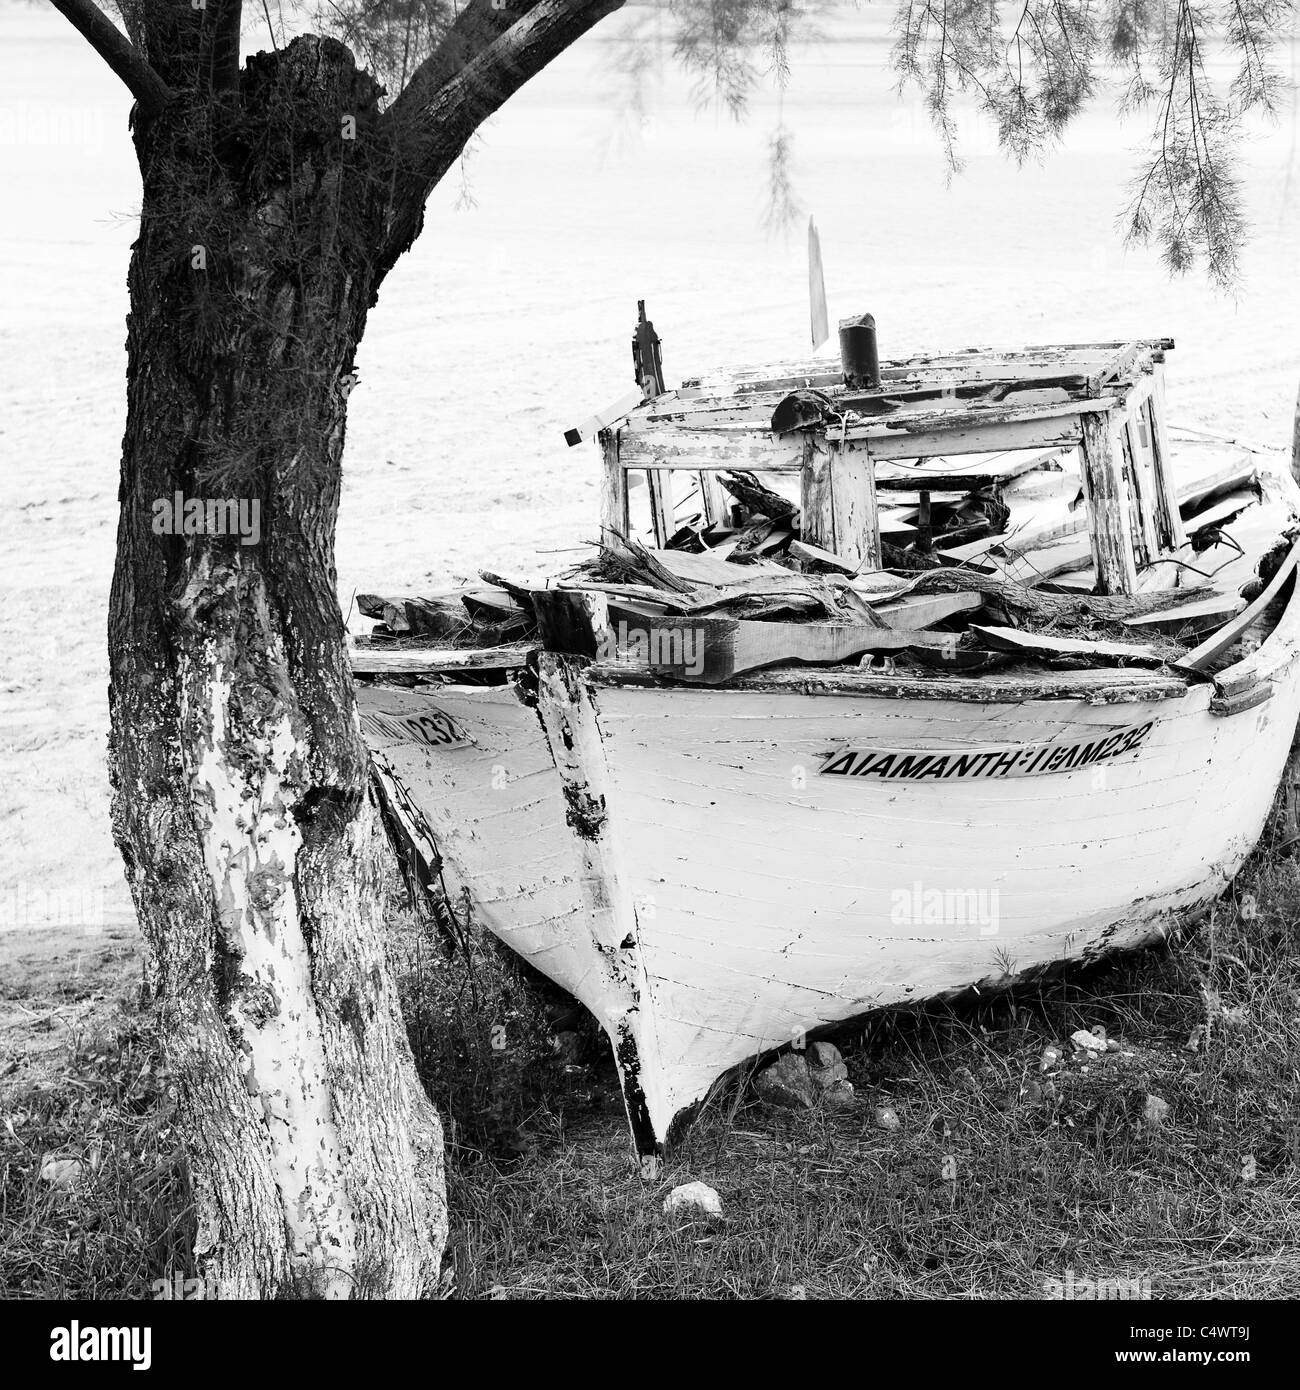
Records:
x=963, y=422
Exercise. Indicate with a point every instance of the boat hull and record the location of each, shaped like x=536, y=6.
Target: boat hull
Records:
x=715, y=872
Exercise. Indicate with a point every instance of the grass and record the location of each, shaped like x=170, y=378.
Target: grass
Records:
x=128, y=1219
x=999, y=1177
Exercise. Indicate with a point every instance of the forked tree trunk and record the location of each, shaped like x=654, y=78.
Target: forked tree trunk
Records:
x=240, y=777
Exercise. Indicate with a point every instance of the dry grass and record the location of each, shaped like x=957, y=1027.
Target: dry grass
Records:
x=995, y=1181
x=126, y=1219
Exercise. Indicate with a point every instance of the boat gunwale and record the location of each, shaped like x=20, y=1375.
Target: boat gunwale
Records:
x=1098, y=685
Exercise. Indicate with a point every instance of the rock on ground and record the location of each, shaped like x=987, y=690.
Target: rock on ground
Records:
x=60, y=1172
x=839, y=1096
x=826, y=1065
x=1155, y=1111
x=788, y=1082
x=698, y=1196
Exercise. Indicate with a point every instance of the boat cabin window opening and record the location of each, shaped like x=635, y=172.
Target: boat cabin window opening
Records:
x=1141, y=523
x=1147, y=426
x=663, y=502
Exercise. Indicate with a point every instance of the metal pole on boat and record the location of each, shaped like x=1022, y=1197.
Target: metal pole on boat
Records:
x=647, y=362
x=647, y=356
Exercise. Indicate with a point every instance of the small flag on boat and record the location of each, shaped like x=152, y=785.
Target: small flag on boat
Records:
x=821, y=328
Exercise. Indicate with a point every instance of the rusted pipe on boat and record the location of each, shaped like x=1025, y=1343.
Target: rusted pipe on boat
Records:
x=859, y=359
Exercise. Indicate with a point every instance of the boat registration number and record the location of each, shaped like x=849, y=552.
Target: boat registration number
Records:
x=431, y=727
x=1023, y=760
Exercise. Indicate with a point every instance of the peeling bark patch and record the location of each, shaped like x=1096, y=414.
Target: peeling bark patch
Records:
x=247, y=756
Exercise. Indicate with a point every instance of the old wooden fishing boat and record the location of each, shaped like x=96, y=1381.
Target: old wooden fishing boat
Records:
x=890, y=680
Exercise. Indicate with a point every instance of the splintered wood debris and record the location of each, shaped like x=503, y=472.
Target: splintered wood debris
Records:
x=798, y=605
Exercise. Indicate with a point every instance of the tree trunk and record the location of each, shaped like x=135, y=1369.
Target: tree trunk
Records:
x=240, y=777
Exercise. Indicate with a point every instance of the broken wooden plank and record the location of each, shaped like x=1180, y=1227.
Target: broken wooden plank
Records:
x=1152, y=410
x=1222, y=511
x=368, y=659
x=1199, y=658
x=662, y=509
x=894, y=525
x=1036, y=563
x=1047, y=605
x=787, y=586
x=777, y=539
x=707, y=568
x=491, y=607
x=713, y=649
x=1017, y=542
x=1125, y=363
x=838, y=502
x=717, y=503
x=1108, y=502
x=446, y=616
x=614, y=512
x=521, y=590
x=924, y=610
x=753, y=536
x=574, y=621
x=1219, y=608
x=815, y=555
x=1003, y=467
x=1191, y=494
x=1012, y=639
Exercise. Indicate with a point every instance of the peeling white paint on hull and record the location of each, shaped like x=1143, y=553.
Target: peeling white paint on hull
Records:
x=683, y=867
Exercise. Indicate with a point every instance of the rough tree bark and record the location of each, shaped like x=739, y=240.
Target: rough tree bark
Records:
x=275, y=198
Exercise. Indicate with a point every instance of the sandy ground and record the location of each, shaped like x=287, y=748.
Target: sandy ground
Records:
x=509, y=322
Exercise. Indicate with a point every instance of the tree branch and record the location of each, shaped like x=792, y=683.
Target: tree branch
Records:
x=474, y=28
x=118, y=52
x=432, y=124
